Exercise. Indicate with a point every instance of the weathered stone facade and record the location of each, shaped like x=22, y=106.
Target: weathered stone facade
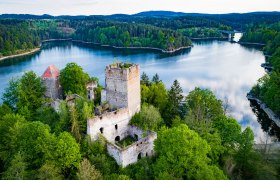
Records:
x=130, y=154
x=109, y=124
x=91, y=86
x=122, y=92
x=123, y=86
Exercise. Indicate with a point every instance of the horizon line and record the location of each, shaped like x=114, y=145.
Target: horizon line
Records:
x=143, y=12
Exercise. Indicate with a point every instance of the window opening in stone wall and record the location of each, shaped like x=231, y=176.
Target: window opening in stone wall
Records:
x=116, y=126
x=136, y=137
x=139, y=156
x=117, y=138
x=146, y=154
x=101, y=130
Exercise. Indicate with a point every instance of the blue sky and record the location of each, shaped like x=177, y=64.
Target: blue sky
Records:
x=87, y=7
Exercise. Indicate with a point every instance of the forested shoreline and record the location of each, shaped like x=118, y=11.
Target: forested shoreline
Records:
x=267, y=88
x=165, y=34
x=21, y=33
x=19, y=36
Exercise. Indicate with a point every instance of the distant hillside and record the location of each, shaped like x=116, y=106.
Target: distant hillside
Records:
x=143, y=14
x=160, y=14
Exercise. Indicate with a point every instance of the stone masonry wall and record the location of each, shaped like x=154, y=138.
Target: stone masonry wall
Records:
x=130, y=154
x=53, y=89
x=134, y=90
x=123, y=87
x=122, y=91
x=90, y=90
x=113, y=123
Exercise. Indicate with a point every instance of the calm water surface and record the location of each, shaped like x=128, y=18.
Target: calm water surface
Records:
x=228, y=69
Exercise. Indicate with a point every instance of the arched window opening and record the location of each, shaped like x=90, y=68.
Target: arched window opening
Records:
x=117, y=138
x=101, y=130
x=136, y=137
x=116, y=126
x=146, y=154
x=139, y=156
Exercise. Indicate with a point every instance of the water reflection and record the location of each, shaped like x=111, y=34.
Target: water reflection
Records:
x=228, y=69
x=127, y=52
x=266, y=124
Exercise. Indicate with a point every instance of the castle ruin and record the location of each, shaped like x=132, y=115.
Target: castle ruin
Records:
x=122, y=92
x=122, y=97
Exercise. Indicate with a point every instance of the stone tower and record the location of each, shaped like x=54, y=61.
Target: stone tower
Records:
x=122, y=84
x=51, y=81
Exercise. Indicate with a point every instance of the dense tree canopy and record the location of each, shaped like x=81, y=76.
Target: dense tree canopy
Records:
x=174, y=100
x=15, y=40
x=202, y=105
x=148, y=118
x=73, y=79
x=183, y=154
x=25, y=95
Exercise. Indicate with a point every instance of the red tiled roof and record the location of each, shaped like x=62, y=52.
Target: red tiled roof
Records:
x=51, y=72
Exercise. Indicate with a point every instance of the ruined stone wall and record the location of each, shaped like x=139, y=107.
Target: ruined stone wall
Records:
x=103, y=96
x=113, y=123
x=134, y=90
x=143, y=147
x=122, y=91
x=115, y=152
x=130, y=154
x=116, y=87
x=123, y=87
x=91, y=86
x=134, y=131
x=53, y=88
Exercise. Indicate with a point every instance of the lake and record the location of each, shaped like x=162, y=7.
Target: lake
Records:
x=228, y=69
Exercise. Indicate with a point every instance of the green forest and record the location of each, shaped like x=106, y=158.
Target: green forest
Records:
x=268, y=87
x=196, y=139
x=19, y=34
x=14, y=40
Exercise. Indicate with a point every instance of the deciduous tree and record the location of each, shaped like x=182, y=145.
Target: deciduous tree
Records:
x=73, y=79
x=183, y=154
x=148, y=118
x=86, y=171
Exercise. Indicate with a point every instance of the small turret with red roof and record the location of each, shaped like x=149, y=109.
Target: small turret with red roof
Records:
x=51, y=72
x=51, y=80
